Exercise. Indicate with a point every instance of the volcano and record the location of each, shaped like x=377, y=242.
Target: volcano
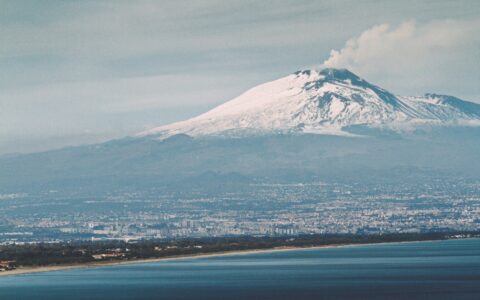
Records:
x=322, y=102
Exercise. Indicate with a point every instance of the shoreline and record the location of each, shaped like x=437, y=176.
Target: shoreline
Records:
x=91, y=265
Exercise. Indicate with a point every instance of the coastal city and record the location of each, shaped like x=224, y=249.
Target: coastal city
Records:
x=263, y=209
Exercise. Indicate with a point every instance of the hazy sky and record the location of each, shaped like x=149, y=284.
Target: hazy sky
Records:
x=77, y=72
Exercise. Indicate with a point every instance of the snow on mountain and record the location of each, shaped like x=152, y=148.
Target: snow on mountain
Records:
x=322, y=102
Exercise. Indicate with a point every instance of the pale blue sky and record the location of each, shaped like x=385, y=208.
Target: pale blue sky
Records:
x=85, y=71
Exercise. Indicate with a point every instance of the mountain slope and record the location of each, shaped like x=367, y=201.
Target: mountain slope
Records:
x=323, y=102
x=141, y=163
x=330, y=101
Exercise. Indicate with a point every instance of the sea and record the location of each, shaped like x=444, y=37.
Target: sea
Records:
x=419, y=270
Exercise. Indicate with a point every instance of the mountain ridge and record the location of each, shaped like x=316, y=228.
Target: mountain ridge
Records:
x=322, y=102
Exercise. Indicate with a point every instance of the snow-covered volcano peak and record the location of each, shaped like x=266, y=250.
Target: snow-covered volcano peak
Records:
x=322, y=102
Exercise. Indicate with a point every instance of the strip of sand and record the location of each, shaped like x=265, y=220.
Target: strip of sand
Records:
x=41, y=269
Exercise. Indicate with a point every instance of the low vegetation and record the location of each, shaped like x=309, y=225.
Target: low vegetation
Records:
x=81, y=252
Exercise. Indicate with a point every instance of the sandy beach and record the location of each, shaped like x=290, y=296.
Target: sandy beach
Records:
x=41, y=269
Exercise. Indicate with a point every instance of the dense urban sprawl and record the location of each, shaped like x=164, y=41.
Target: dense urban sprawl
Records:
x=263, y=209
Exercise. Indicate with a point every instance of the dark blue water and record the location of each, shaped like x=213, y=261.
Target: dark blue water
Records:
x=423, y=270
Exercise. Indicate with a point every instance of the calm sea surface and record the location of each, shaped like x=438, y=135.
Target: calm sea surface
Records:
x=423, y=270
